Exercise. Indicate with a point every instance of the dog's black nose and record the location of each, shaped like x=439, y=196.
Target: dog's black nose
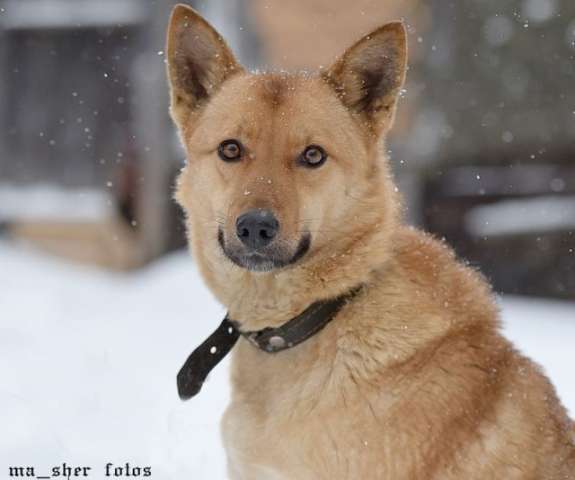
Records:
x=257, y=228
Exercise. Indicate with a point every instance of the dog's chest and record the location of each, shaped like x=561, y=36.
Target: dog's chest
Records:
x=282, y=427
x=319, y=444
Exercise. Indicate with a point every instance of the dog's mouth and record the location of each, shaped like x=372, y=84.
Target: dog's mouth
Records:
x=265, y=259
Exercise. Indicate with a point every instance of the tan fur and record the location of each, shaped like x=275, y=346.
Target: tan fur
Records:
x=411, y=380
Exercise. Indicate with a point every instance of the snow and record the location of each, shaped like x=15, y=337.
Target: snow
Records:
x=51, y=202
x=88, y=361
x=88, y=364
x=508, y=217
x=36, y=14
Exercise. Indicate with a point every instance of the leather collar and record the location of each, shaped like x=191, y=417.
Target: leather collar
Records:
x=203, y=359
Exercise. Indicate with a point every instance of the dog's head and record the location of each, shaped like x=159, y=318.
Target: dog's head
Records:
x=282, y=168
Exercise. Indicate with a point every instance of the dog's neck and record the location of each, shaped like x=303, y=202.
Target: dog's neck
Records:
x=260, y=300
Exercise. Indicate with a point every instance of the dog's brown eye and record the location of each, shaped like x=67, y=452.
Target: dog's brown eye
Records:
x=313, y=156
x=230, y=150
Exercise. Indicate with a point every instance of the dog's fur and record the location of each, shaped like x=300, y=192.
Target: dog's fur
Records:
x=412, y=379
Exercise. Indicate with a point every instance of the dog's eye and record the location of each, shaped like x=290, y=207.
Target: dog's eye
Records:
x=230, y=150
x=313, y=156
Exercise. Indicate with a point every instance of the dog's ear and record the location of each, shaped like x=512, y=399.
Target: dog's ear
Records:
x=370, y=74
x=199, y=60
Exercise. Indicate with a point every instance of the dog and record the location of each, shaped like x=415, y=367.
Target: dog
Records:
x=289, y=202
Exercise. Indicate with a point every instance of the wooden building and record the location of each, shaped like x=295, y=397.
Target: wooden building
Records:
x=84, y=115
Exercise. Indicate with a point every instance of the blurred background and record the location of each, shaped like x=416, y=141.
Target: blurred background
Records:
x=91, y=241
x=483, y=148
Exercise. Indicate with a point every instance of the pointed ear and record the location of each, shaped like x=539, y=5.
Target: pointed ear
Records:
x=199, y=60
x=370, y=74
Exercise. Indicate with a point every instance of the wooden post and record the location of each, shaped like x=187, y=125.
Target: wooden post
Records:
x=155, y=138
x=4, y=156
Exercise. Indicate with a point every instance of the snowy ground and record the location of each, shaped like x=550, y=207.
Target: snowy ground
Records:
x=88, y=362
